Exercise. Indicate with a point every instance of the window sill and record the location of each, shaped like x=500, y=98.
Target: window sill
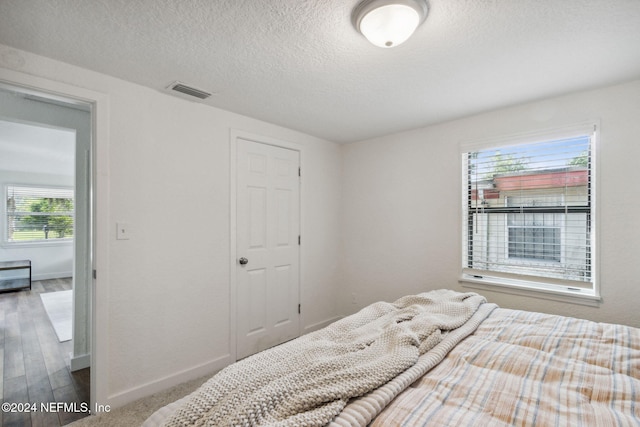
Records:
x=39, y=244
x=533, y=290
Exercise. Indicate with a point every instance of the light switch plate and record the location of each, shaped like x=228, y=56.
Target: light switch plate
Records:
x=123, y=231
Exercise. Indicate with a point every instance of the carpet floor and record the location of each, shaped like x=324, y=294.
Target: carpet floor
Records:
x=135, y=413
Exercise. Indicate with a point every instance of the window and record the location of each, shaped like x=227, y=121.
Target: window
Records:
x=534, y=235
x=529, y=212
x=535, y=243
x=38, y=214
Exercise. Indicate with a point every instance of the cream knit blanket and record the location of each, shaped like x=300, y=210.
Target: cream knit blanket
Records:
x=308, y=381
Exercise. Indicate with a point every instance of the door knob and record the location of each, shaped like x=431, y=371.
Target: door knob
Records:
x=243, y=261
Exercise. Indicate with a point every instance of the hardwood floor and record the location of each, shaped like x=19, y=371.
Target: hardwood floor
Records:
x=34, y=365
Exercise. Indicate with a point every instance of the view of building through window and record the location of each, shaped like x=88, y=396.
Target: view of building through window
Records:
x=528, y=210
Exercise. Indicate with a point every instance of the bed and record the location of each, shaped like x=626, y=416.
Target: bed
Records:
x=436, y=359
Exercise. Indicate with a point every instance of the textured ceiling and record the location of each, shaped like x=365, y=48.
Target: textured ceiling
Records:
x=301, y=64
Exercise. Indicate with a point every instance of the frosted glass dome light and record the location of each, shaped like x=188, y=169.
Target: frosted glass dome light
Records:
x=388, y=23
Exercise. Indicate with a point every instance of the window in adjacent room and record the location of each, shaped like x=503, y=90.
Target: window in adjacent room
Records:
x=529, y=212
x=38, y=214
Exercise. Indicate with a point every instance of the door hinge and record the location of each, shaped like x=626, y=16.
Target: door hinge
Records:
x=95, y=274
x=299, y=309
x=299, y=171
x=299, y=240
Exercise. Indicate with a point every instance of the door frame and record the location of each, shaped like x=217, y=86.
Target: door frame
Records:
x=233, y=226
x=99, y=108
x=80, y=242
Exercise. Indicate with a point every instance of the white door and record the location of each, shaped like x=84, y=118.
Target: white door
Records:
x=267, y=243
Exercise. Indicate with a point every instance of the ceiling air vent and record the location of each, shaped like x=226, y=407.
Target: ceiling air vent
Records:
x=188, y=90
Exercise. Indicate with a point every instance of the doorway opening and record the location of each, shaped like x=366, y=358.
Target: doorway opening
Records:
x=46, y=219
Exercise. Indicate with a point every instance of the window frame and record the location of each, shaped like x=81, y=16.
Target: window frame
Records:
x=535, y=286
x=40, y=242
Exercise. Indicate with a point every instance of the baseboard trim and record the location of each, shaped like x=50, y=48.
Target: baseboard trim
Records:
x=133, y=394
x=34, y=277
x=48, y=276
x=80, y=362
x=320, y=325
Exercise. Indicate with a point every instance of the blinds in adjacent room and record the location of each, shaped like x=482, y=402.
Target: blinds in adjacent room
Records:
x=528, y=210
x=38, y=213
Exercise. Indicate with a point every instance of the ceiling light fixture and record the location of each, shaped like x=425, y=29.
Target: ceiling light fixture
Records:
x=388, y=23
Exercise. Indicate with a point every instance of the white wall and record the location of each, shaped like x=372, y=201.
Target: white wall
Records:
x=167, y=295
x=402, y=209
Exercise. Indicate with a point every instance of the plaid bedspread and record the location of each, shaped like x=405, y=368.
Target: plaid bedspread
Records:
x=529, y=369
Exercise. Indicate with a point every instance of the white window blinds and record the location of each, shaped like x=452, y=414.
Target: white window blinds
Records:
x=38, y=214
x=528, y=211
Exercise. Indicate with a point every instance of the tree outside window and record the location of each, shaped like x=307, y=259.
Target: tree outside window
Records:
x=39, y=214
